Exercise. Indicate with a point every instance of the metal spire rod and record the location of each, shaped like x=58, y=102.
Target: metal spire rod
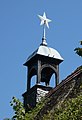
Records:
x=44, y=31
x=44, y=36
x=44, y=22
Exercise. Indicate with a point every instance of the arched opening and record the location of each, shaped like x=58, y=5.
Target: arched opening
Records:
x=33, y=81
x=53, y=80
x=48, y=76
x=42, y=83
x=32, y=76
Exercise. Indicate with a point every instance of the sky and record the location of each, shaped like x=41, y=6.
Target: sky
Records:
x=21, y=34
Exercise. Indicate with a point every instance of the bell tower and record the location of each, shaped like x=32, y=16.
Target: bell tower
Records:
x=43, y=63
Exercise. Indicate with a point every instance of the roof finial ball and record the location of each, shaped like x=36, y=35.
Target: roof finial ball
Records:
x=44, y=22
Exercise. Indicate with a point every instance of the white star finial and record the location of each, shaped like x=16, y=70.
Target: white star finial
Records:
x=44, y=22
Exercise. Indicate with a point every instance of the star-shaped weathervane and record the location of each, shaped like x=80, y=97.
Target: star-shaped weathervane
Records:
x=44, y=22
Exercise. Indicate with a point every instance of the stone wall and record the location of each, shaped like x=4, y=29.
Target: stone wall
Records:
x=34, y=95
x=40, y=93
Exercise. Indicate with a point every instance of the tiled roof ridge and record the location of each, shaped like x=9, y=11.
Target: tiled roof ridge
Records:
x=66, y=80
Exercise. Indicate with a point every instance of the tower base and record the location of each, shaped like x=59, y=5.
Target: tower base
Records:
x=34, y=95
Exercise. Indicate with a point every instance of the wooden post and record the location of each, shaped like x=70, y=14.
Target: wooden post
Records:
x=38, y=71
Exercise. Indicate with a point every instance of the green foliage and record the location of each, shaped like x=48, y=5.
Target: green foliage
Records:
x=30, y=115
x=20, y=111
x=70, y=110
x=79, y=50
x=18, y=108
